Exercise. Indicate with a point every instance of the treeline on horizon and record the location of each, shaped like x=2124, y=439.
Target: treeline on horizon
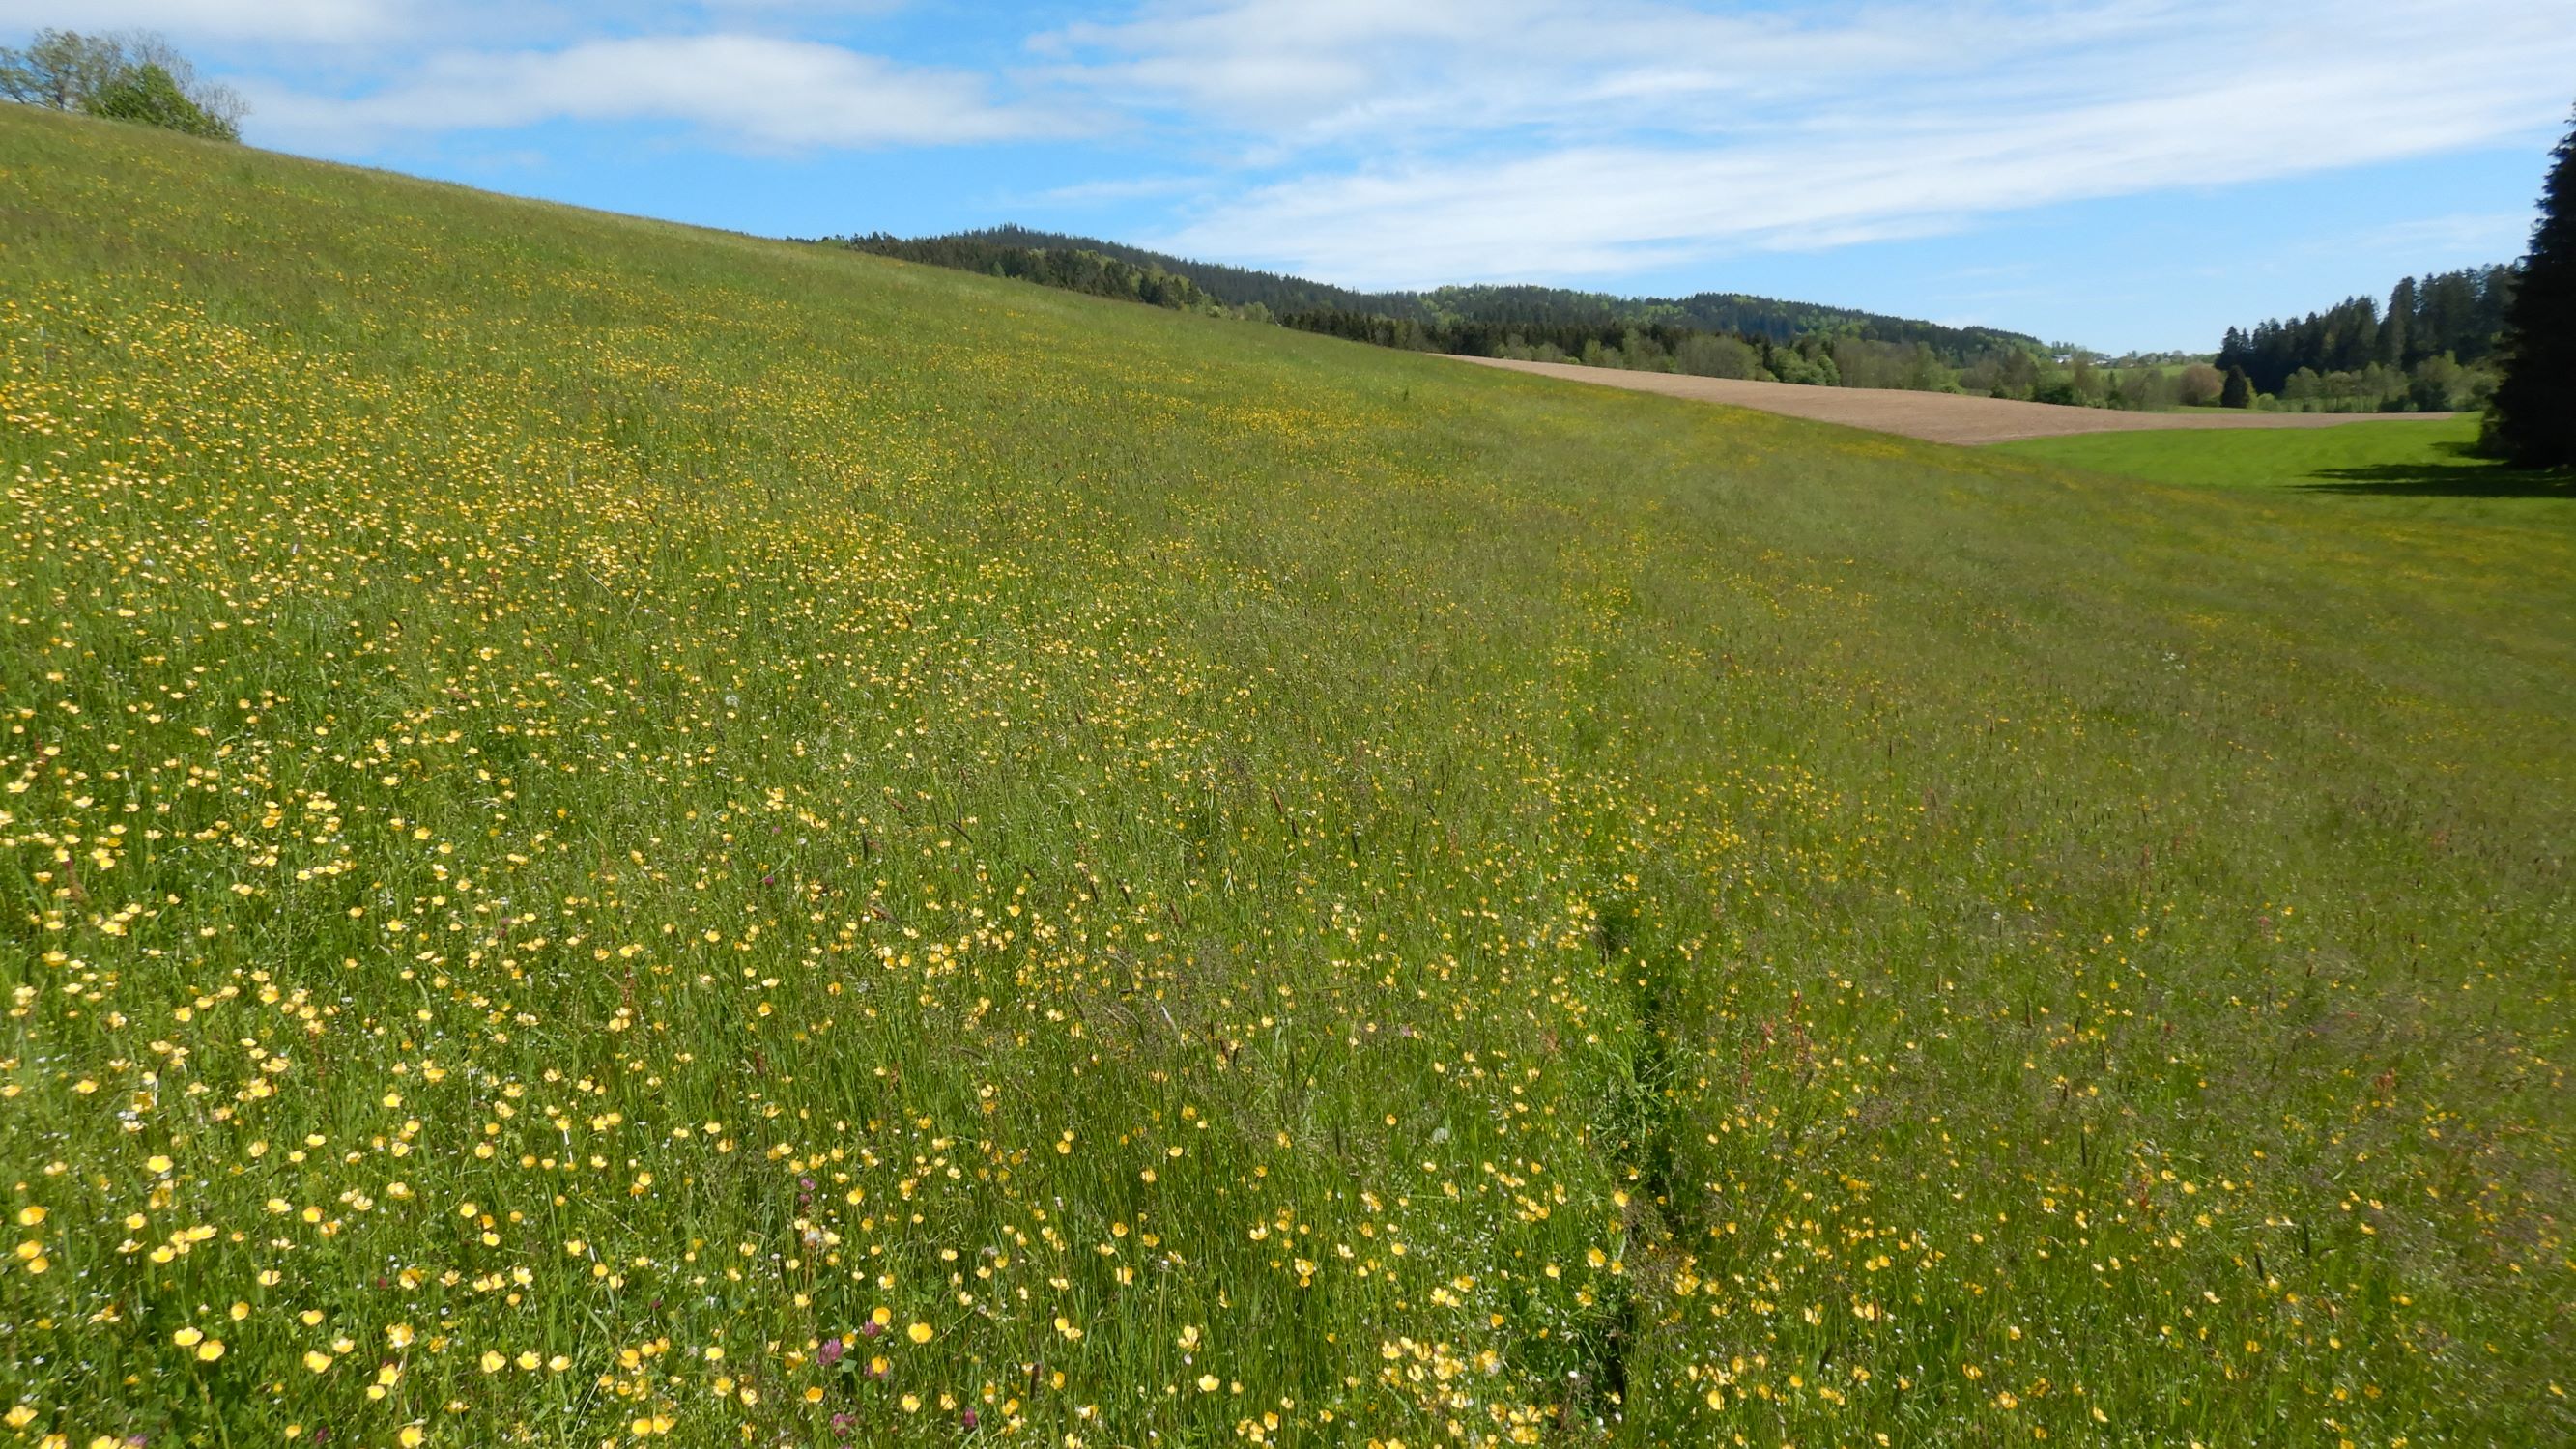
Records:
x=1845, y=356
x=1712, y=334
x=1000, y=251
x=1074, y=269
x=1009, y=251
x=2433, y=349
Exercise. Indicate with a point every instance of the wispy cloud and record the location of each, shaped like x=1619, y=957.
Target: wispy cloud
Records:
x=1404, y=142
x=2481, y=236
x=1315, y=71
x=749, y=91
x=1517, y=138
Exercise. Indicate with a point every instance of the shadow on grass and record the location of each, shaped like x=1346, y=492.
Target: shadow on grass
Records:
x=2461, y=473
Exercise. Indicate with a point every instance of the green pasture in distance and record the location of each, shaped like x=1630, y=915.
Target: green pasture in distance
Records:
x=2367, y=459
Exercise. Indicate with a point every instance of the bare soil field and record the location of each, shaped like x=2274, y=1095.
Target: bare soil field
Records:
x=1933, y=416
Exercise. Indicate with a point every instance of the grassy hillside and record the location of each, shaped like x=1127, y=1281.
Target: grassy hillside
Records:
x=614, y=834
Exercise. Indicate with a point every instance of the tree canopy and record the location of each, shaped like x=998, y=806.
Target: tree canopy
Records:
x=1561, y=314
x=1074, y=269
x=1710, y=334
x=2460, y=314
x=128, y=76
x=2534, y=418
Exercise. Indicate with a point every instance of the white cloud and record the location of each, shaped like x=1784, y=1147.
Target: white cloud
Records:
x=1529, y=138
x=1317, y=70
x=752, y=91
x=1390, y=142
x=222, y=20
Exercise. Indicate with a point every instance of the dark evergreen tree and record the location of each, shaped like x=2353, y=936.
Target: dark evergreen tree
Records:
x=2394, y=341
x=2459, y=313
x=2238, y=391
x=2235, y=351
x=2533, y=422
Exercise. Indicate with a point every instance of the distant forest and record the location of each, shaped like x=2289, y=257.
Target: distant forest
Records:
x=1008, y=251
x=2433, y=348
x=1011, y=250
x=1472, y=313
x=1450, y=313
x=1716, y=334
x=1094, y=269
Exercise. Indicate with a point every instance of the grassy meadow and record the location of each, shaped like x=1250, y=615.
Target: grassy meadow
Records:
x=2385, y=460
x=618, y=835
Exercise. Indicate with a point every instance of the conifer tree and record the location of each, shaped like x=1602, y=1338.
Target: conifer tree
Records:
x=2396, y=335
x=2237, y=391
x=2533, y=421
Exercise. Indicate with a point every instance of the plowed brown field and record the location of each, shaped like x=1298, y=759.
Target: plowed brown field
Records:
x=1935, y=416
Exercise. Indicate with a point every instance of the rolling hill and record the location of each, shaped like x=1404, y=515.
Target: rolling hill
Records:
x=618, y=834
x=1501, y=306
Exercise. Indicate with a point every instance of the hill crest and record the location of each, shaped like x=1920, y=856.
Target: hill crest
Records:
x=1772, y=318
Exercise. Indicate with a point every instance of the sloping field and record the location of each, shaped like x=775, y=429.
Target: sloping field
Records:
x=617, y=835
x=1932, y=416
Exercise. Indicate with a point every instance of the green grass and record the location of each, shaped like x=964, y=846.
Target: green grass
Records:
x=2388, y=460
x=592, y=808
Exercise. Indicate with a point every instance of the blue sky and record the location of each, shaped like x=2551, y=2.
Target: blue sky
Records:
x=2120, y=173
